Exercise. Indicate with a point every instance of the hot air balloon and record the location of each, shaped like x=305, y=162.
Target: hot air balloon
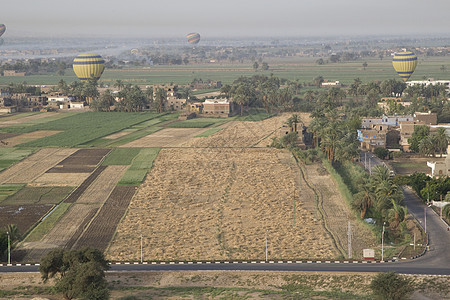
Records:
x=2, y=29
x=88, y=65
x=404, y=64
x=193, y=38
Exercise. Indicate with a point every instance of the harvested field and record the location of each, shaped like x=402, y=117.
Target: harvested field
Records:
x=60, y=179
x=80, y=189
x=71, y=169
x=337, y=213
x=100, y=189
x=34, y=166
x=101, y=230
x=4, y=136
x=168, y=137
x=27, y=137
x=241, y=134
x=214, y=204
x=24, y=216
x=65, y=232
x=85, y=157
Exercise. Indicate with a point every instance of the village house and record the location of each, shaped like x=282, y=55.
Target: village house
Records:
x=219, y=107
x=327, y=84
x=13, y=73
x=440, y=168
x=428, y=118
x=174, y=104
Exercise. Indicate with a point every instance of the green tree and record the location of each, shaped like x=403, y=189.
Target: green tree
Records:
x=255, y=66
x=381, y=153
x=364, y=65
x=364, y=200
x=391, y=286
x=160, y=99
x=441, y=140
x=119, y=84
x=78, y=273
x=420, y=132
x=14, y=233
x=104, y=102
x=264, y=66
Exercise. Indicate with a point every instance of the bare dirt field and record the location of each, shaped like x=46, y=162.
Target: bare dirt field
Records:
x=34, y=166
x=217, y=204
x=24, y=216
x=28, y=137
x=168, y=137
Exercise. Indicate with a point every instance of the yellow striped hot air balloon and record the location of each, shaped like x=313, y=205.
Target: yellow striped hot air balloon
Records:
x=404, y=64
x=88, y=65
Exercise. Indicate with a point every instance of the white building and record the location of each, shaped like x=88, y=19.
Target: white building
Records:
x=392, y=121
x=428, y=82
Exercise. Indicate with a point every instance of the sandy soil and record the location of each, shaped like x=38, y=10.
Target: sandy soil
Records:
x=34, y=166
x=6, y=123
x=214, y=204
x=60, y=179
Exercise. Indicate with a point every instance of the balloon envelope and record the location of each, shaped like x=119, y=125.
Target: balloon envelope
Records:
x=404, y=64
x=88, y=65
x=193, y=38
x=2, y=29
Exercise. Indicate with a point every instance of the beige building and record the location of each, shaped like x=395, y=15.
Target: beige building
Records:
x=175, y=104
x=428, y=118
x=219, y=107
x=440, y=168
x=406, y=131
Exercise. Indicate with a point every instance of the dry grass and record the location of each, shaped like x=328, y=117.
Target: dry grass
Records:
x=28, y=137
x=169, y=137
x=203, y=204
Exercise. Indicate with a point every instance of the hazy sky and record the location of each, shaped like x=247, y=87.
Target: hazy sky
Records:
x=228, y=18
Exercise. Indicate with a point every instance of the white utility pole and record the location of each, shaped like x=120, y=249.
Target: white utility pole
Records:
x=349, y=234
x=425, y=216
x=266, y=245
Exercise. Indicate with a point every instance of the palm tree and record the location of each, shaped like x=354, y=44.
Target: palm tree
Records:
x=160, y=99
x=428, y=146
x=365, y=199
x=119, y=84
x=446, y=212
x=441, y=140
x=13, y=232
x=295, y=120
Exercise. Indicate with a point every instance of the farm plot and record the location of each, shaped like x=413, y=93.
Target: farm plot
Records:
x=34, y=166
x=214, y=204
x=38, y=195
x=240, y=134
x=28, y=137
x=69, y=228
x=338, y=213
x=24, y=119
x=169, y=137
x=24, y=216
x=101, y=230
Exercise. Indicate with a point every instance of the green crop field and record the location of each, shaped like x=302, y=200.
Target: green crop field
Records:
x=7, y=190
x=81, y=128
x=9, y=156
x=38, y=195
x=121, y=156
x=303, y=69
x=140, y=165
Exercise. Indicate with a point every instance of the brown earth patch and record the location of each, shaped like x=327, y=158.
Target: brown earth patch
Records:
x=216, y=204
x=116, y=135
x=34, y=166
x=24, y=216
x=71, y=169
x=60, y=179
x=86, y=157
x=80, y=189
x=27, y=119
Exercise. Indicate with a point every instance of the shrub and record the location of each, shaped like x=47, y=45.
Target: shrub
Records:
x=391, y=286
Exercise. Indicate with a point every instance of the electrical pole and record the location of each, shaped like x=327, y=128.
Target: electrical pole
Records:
x=382, y=243
x=425, y=216
x=349, y=234
x=266, y=244
x=141, y=250
x=9, y=248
